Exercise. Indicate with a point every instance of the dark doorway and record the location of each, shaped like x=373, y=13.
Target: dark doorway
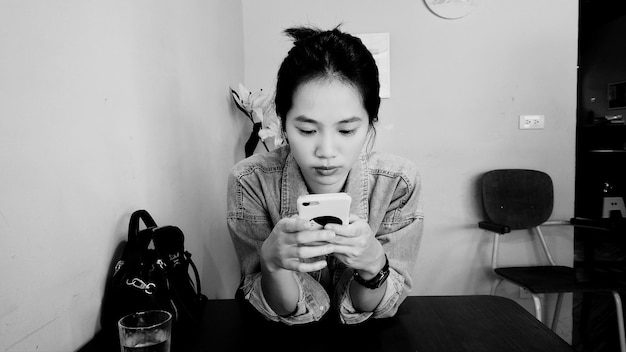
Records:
x=600, y=162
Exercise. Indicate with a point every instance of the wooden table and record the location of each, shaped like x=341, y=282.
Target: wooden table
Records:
x=423, y=324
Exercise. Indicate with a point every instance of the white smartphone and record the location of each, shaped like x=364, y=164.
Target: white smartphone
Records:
x=325, y=208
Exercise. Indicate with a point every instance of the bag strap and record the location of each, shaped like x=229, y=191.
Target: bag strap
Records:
x=195, y=271
x=133, y=225
x=199, y=298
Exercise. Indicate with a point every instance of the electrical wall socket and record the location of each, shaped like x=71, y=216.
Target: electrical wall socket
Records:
x=531, y=122
x=613, y=204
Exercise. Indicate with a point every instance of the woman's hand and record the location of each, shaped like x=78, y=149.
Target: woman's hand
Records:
x=356, y=246
x=292, y=242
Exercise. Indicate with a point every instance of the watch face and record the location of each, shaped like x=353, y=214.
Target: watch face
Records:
x=451, y=9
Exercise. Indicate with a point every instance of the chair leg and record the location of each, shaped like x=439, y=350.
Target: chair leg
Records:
x=495, y=285
x=557, y=311
x=538, y=312
x=620, y=321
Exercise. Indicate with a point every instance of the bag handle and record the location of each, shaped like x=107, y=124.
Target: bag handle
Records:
x=199, y=297
x=195, y=271
x=133, y=226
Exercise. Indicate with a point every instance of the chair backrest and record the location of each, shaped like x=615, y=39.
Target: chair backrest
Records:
x=517, y=198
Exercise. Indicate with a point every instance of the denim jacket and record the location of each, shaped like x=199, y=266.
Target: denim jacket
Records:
x=386, y=192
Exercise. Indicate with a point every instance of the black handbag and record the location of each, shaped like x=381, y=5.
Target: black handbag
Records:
x=143, y=277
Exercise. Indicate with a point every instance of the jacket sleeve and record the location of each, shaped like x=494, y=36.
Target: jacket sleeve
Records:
x=400, y=234
x=249, y=225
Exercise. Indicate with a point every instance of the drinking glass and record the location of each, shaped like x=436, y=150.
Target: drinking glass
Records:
x=145, y=331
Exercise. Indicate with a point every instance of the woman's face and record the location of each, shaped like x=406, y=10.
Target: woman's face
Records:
x=327, y=127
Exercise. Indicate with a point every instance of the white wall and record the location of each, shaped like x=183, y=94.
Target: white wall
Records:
x=107, y=107
x=457, y=88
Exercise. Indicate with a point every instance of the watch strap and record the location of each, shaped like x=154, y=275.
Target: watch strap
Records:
x=377, y=280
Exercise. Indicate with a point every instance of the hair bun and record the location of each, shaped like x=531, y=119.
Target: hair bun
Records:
x=299, y=34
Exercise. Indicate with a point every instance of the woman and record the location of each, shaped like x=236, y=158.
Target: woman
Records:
x=294, y=270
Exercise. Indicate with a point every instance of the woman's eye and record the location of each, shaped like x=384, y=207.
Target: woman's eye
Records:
x=306, y=132
x=347, y=132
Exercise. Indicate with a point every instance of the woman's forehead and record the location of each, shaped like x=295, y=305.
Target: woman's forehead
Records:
x=331, y=101
x=325, y=92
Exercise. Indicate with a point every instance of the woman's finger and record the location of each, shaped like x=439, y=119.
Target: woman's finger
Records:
x=311, y=237
x=295, y=224
x=354, y=218
x=348, y=251
x=305, y=252
x=302, y=267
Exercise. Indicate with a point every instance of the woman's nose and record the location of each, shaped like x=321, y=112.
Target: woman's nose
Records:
x=326, y=147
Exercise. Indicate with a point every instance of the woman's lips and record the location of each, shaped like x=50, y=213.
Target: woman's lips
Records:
x=326, y=170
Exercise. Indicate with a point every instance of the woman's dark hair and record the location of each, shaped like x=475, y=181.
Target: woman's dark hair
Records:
x=331, y=54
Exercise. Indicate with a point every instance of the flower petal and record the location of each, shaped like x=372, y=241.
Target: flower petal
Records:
x=244, y=93
x=259, y=100
x=257, y=114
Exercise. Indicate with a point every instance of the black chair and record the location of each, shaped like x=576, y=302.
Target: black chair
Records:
x=519, y=199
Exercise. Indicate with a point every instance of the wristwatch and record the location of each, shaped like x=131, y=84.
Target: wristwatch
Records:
x=377, y=280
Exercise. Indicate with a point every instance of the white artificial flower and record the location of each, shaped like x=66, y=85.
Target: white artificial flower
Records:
x=271, y=128
x=259, y=108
